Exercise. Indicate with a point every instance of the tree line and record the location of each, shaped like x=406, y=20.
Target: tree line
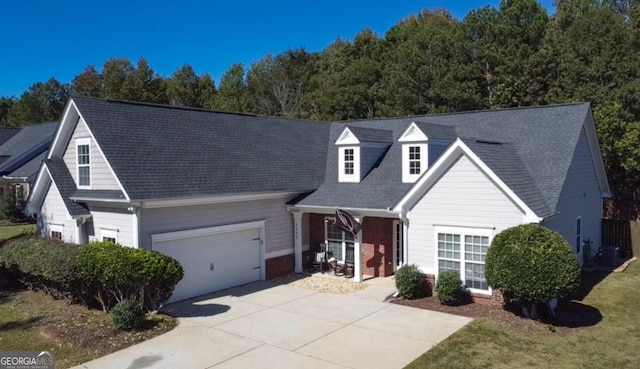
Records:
x=430, y=62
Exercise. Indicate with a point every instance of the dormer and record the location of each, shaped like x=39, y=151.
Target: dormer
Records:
x=422, y=143
x=359, y=149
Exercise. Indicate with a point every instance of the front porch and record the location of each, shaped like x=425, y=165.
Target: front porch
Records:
x=376, y=251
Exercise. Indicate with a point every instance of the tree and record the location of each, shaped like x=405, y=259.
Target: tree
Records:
x=115, y=72
x=144, y=85
x=183, y=87
x=6, y=103
x=232, y=93
x=42, y=102
x=88, y=83
x=530, y=265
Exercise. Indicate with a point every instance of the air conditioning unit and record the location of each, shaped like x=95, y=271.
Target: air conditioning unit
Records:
x=609, y=256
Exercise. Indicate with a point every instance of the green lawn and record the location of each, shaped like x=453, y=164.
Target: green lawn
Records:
x=614, y=342
x=9, y=231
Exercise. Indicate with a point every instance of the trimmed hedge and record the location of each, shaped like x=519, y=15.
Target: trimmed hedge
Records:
x=42, y=264
x=127, y=315
x=409, y=281
x=449, y=288
x=113, y=273
x=531, y=264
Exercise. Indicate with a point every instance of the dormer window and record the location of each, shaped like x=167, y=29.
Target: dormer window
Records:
x=83, y=163
x=414, y=160
x=349, y=162
x=359, y=149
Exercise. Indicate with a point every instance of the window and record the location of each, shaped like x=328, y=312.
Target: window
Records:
x=340, y=245
x=19, y=193
x=578, y=234
x=109, y=235
x=55, y=231
x=349, y=162
x=56, y=234
x=84, y=162
x=414, y=160
x=464, y=251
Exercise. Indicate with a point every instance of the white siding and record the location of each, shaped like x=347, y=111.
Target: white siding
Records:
x=278, y=228
x=54, y=213
x=101, y=176
x=580, y=196
x=118, y=220
x=462, y=197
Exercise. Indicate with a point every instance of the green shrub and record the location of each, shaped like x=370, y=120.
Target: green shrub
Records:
x=127, y=315
x=531, y=264
x=112, y=273
x=449, y=288
x=43, y=264
x=410, y=281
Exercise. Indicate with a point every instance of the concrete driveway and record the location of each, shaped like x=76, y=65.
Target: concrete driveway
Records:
x=263, y=325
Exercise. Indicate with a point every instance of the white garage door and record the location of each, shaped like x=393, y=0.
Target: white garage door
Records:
x=215, y=261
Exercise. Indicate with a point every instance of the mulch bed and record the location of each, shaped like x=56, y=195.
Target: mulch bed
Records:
x=571, y=315
x=73, y=325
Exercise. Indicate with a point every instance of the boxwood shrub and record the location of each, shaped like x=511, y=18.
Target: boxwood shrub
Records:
x=449, y=288
x=113, y=273
x=42, y=264
x=531, y=264
x=410, y=281
x=127, y=315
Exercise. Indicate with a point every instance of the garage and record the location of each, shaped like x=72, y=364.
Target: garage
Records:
x=214, y=258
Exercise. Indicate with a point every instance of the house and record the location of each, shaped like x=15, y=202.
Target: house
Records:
x=238, y=198
x=20, y=157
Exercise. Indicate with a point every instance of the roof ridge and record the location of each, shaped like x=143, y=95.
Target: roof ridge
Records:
x=463, y=112
x=166, y=106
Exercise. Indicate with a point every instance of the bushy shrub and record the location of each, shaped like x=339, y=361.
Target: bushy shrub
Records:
x=409, y=281
x=113, y=273
x=449, y=288
x=127, y=315
x=531, y=264
x=43, y=264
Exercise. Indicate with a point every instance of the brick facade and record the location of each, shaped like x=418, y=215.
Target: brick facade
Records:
x=279, y=266
x=377, y=243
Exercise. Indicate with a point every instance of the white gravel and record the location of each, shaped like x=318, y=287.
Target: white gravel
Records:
x=338, y=285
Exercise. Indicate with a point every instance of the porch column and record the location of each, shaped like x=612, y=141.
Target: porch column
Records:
x=357, y=253
x=297, y=241
x=405, y=241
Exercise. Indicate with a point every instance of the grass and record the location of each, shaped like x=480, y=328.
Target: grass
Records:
x=610, y=343
x=8, y=231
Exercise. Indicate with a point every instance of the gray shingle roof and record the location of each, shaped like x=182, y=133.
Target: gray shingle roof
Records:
x=99, y=194
x=7, y=133
x=543, y=137
x=66, y=186
x=161, y=152
x=437, y=131
x=21, y=150
x=372, y=134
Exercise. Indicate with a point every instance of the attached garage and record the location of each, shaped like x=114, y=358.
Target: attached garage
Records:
x=214, y=258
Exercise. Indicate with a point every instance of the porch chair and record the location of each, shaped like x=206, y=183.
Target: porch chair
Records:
x=319, y=261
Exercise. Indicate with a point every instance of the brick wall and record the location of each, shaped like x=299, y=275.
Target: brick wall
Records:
x=280, y=266
x=377, y=243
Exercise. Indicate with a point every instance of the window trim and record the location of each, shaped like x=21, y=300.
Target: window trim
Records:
x=578, y=234
x=83, y=142
x=462, y=231
x=58, y=229
x=109, y=233
x=407, y=176
x=344, y=240
x=355, y=176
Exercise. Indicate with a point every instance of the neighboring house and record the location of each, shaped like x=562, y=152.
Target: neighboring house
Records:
x=21, y=156
x=238, y=198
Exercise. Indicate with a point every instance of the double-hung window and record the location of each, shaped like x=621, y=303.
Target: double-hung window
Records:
x=578, y=234
x=349, y=162
x=340, y=244
x=465, y=251
x=414, y=160
x=83, y=161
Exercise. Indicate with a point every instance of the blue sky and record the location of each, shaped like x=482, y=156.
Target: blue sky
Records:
x=46, y=39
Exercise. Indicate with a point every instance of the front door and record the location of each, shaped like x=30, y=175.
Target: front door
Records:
x=398, y=249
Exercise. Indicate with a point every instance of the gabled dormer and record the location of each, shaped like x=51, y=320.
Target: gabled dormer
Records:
x=359, y=149
x=422, y=143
